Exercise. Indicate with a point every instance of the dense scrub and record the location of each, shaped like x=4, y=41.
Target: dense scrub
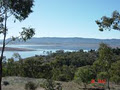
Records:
x=66, y=66
x=59, y=66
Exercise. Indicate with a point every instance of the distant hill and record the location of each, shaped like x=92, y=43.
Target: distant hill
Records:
x=70, y=42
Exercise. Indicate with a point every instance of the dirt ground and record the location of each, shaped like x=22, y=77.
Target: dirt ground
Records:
x=18, y=83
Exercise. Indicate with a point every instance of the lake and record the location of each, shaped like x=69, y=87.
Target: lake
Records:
x=39, y=50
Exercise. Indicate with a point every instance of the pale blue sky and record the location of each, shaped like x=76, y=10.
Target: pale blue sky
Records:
x=68, y=18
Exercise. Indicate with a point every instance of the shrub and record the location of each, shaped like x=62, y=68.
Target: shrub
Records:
x=49, y=84
x=102, y=75
x=5, y=83
x=30, y=86
x=58, y=86
x=116, y=79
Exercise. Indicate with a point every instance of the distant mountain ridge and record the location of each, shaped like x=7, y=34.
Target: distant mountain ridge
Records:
x=65, y=40
x=70, y=42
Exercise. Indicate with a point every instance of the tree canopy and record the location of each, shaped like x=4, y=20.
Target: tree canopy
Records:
x=108, y=23
x=20, y=9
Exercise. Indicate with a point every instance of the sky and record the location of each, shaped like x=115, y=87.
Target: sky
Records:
x=67, y=18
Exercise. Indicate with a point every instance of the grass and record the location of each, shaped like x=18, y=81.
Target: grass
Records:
x=18, y=83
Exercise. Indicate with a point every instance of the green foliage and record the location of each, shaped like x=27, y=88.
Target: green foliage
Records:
x=115, y=79
x=58, y=66
x=115, y=68
x=30, y=86
x=65, y=66
x=105, y=56
x=96, y=68
x=116, y=51
x=10, y=68
x=76, y=59
x=105, y=61
x=20, y=8
x=84, y=75
x=64, y=73
x=49, y=84
x=112, y=22
x=27, y=33
x=35, y=68
x=115, y=72
x=102, y=75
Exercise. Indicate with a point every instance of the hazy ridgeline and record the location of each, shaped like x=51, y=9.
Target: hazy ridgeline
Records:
x=41, y=46
x=67, y=43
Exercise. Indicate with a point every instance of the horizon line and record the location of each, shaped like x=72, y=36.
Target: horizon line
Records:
x=74, y=37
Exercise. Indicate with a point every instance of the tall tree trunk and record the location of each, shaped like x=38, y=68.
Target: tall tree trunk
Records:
x=3, y=48
x=0, y=73
x=108, y=85
x=108, y=81
x=85, y=86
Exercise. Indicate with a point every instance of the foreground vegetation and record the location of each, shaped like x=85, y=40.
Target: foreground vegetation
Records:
x=78, y=66
x=18, y=83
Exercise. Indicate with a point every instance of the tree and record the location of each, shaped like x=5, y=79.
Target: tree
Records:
x=115, y=72
x=109, y=23
x=102, y=75
x=32, y=68
x=63, y=73
x=20, y=9
x=96, y=67
x=105, y=60
x=84, y=75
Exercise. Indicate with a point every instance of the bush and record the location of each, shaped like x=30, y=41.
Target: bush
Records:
x=5, y=83
x=115, y=79
x=30, y=86
x=102, y=75
x=49, y=84
x=58, y=86
x=63, y=73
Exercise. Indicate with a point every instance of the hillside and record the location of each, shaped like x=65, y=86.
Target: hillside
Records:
x=69, y=43
x=18, y=83
x=55, y=40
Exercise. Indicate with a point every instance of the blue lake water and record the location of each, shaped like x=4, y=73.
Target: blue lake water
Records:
x=39, y=50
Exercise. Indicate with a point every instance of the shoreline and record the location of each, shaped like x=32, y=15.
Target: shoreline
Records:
x=16, y=49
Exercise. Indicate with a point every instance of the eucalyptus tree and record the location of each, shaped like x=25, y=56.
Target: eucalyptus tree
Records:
x=105, y=60
x=84, y=75
x=115, y=72
x=108, y=23
x=20, y=10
